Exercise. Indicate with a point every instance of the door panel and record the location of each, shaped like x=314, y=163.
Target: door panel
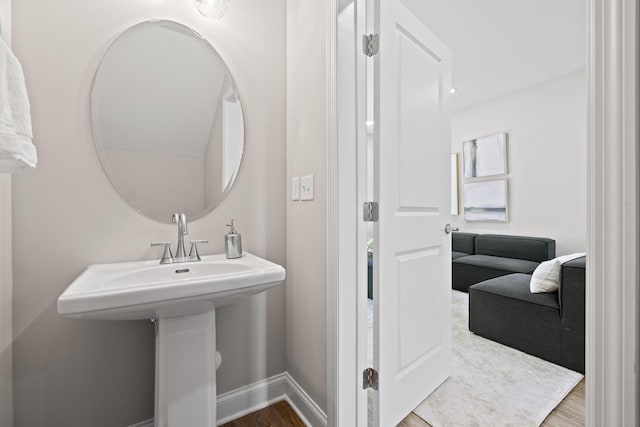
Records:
x=412, y=272
x=418, y=309
x=418, y=115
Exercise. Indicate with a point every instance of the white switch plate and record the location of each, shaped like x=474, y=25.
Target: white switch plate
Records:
x=306, y=187
x=295, y=188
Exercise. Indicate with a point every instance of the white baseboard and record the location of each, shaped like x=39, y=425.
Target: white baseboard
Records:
x=253, y=397
x=259, y=395
x=305, y=407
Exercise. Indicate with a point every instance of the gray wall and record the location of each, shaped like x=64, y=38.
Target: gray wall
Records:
x=547, y=159
x=66, y=215
x=307, y=221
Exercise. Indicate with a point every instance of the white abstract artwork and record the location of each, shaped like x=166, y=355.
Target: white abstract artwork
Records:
x=485, y=201
x=485, y=156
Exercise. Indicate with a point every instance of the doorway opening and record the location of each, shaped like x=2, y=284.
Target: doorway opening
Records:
x=612, y=310
x=550, y=97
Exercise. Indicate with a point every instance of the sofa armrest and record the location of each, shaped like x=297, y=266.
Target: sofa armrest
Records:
x=572, y=293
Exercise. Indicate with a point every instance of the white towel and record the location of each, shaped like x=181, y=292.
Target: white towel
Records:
x=17, y=152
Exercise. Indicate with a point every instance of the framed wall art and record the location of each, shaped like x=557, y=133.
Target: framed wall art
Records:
x=486, y=200
x=455, y=205
x=486, y=156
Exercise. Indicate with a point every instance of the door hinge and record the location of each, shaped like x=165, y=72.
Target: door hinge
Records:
x=370, y=379
x=370, y=44
x=370, y=212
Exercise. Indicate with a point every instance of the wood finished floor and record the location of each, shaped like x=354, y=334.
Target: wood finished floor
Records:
x=570, y=412
x=280, y=414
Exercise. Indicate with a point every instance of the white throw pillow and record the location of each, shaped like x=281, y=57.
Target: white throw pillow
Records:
x=546, y=277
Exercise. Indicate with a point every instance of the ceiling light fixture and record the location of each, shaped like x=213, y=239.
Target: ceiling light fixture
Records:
x=453, y=90
x=212, y=8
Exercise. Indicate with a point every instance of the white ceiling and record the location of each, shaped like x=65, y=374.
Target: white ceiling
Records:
x=503, y=45
x=500, y=46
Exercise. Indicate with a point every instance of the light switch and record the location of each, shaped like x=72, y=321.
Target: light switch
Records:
x=306, y=187
x=295, y=188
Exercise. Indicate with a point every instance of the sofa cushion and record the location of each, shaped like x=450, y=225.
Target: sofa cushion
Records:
x=512, y=265
x=469, y=270
x=516, y=286
x=463, y=242
x=535, y=249
x=456, y=255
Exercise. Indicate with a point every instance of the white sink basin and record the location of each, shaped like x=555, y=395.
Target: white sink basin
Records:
x=183, y=297
x=146, y=289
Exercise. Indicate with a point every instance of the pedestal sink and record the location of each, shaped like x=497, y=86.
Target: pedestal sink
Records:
x=183, y=298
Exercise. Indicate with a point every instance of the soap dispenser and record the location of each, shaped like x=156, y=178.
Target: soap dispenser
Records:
x=232, y=243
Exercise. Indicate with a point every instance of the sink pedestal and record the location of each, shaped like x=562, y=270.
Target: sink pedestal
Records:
x=186, y=371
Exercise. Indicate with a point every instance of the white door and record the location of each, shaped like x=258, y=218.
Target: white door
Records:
x=412, y=271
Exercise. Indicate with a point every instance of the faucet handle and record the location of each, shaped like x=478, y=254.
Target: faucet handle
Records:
x=193, y=253
x=167, y=256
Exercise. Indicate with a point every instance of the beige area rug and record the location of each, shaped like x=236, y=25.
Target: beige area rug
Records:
x=492, y=384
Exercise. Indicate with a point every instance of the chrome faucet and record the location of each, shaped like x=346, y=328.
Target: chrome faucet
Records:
x=181, y=220
x=181, y=254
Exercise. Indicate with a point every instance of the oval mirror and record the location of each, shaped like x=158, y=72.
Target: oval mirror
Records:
x=167, y=121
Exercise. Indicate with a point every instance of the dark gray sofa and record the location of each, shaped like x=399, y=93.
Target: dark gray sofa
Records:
x=462, y=244
x=548, y=325
x=496, y=255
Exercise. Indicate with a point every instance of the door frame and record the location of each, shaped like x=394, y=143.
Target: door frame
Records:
x=6, y=274
x=613, y=224
x=613, y=214
x=346, y=188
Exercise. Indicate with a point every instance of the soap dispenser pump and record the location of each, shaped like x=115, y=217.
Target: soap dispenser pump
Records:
x=232, y=243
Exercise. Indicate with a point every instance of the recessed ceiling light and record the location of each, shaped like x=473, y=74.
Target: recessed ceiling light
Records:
x=453, y=90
